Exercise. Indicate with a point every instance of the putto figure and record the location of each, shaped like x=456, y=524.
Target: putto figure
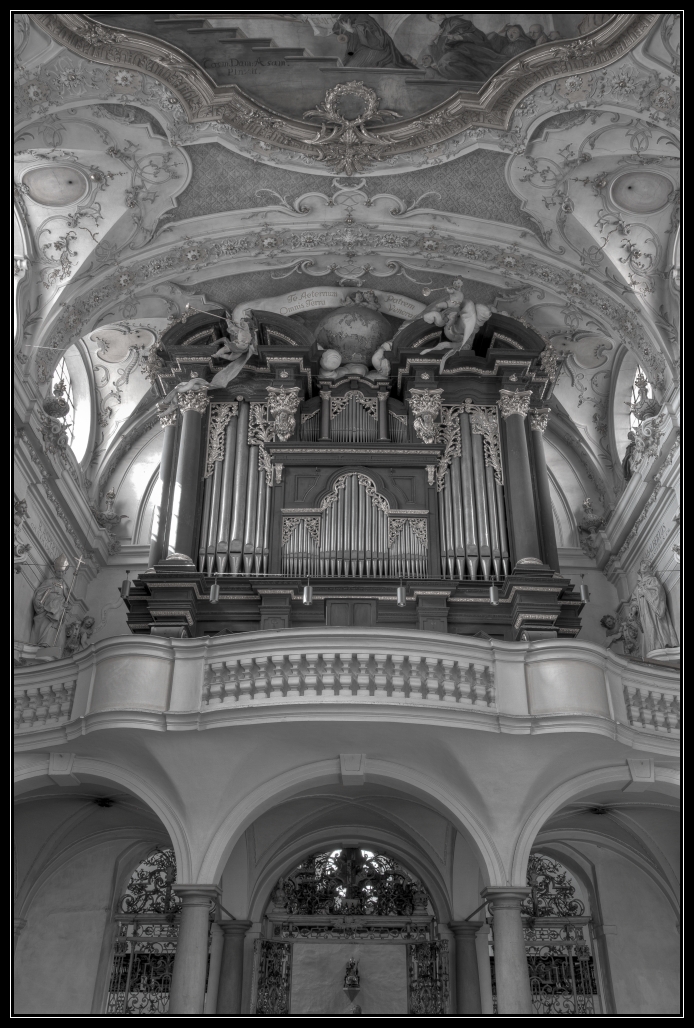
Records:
x=459, y=318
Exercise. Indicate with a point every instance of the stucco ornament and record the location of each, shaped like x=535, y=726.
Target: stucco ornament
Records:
x=77, y=635
x=425, y=405
x=622, y=629
x=282, y=406
x=459, y=318
x=347, y=144
x=514, y=402
x=651, y=601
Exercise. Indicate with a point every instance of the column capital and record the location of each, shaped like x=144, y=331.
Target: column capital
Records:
x=466, y=929
x=196, y=401
x=506, y=896
x=167, y=418
x=197, y=895
x=514, y=401
x=235, y=927
x=539, y=418
x=325, y=394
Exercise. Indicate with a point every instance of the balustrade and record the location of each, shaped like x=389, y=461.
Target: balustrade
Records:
x=42, y=705
x=653, y=709
x=349, y=675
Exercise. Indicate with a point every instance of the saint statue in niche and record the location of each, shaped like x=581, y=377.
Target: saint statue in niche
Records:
x=50, y=606
x=650, y=599
x=368, y=45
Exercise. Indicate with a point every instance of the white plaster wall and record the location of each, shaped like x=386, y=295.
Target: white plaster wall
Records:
x=58, y=951
x=644, y=954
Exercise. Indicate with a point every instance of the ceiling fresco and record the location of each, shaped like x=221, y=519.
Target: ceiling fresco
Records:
x=414, y=60
x=349, y=89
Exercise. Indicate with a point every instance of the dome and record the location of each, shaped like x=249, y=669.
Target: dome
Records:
x=355, y=332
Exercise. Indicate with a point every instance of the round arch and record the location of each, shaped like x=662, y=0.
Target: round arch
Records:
x=573, y=788
x=88, y=769
x=326, y=772
x=356, y=836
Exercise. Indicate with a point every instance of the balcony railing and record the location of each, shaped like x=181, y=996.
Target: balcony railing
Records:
x=500, y=686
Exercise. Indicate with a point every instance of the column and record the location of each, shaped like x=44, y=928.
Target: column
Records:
x=466, y=969
x=538, y=424
x=231, y=975
x=190, y=966
x=325, y=395
x=510, y=961
x=188, y=473
x=383, y=434
x=522, y=523
x=161, y=517
x=216, y=945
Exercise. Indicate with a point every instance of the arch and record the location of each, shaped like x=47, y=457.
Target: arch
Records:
x=574, y=787
x=33, y=776
x=326, y=837
x=625, y=365
x=143, y=519
x=327, y=772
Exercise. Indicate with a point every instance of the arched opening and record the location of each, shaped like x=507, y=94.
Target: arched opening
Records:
x=70, y=383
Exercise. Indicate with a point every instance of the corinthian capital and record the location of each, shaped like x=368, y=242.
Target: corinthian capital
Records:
x=539, y=418
x=514, y=402
x=193, y=401
x=167, y=418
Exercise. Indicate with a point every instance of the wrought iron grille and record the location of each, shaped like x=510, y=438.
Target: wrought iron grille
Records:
x=427, y=979
x=274, y=979
x=350, y=881
x=145, y=948
x=561, y=968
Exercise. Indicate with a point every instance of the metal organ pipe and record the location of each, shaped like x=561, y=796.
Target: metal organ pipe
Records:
x=481, y=506
x=468, y=491
x=238, y=510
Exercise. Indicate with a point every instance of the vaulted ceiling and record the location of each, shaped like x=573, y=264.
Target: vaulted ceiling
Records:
x=150, y=173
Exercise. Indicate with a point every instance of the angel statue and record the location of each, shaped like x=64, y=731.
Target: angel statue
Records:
x=381, y=364
x=459, y=318
x=240, y=344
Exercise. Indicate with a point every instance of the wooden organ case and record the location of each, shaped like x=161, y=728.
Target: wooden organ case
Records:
x=356, y=480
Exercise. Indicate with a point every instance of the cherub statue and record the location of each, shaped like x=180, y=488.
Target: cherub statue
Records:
x=240, y=345
x=459, y=318
x=624, y=630
x=380, y=362
x=363, y=298
x=77, y=635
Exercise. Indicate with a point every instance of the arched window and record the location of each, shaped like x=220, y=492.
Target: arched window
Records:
x=71, y=382
x=643, y=403
x=351, y=881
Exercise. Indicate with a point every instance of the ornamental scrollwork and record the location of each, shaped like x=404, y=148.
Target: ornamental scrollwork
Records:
x=369, y=403
x=539, y=419
x=449, y=435
x=484, y=421
x=549, y=362
x=552, y=894
x=220, y=416
x=150, y=889
x=425, y=405
x=312, y=526
x=283, y=405
x=347, y=144
x=350, y=881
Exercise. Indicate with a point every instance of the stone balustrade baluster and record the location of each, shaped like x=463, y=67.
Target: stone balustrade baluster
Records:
x=262, y=681
x=55, y=704
x=471, y=678
x=216, y=687
x=416, y=682
x=363, y=676
x=231, y=682
x=448, y=684
x=294, y=677
x=433, y=686
x=380, y=676
x=29, y=713
x=328, y=677
x=398, y=678
x=277, y=679
x=246, y=679
x=311, y=676
x=43, y=704
x=489, y=691
x=345, y=674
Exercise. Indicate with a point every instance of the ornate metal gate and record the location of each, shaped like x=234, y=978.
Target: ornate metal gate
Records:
x=145, y=946
x=558, y=944
x=427, y=979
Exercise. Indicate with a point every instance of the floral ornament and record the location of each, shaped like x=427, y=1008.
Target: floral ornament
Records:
x=123, y=80
x=575, y=87
x=663, y=99
x=429, y=245
x=623, y=82
x=36, y=92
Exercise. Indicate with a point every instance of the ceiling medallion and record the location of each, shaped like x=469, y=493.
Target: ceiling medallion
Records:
x=344, y=139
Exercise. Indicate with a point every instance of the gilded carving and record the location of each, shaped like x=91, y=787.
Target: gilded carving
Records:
x=425, y=405
x=283, y=405
x=484, y=421
x=514, y=402
x=220, y=416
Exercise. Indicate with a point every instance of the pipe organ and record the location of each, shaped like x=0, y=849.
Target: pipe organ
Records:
x=358, y=480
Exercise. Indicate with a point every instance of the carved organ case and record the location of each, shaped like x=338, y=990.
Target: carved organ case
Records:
x=361, y=453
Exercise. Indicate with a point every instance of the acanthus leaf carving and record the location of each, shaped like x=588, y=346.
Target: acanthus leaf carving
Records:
x=220, y=416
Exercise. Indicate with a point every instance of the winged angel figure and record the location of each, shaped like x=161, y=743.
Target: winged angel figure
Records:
x=240, y=344
x=459, y=318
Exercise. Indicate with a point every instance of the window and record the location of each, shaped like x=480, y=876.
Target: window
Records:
x=640, y=392
x=61, y=387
